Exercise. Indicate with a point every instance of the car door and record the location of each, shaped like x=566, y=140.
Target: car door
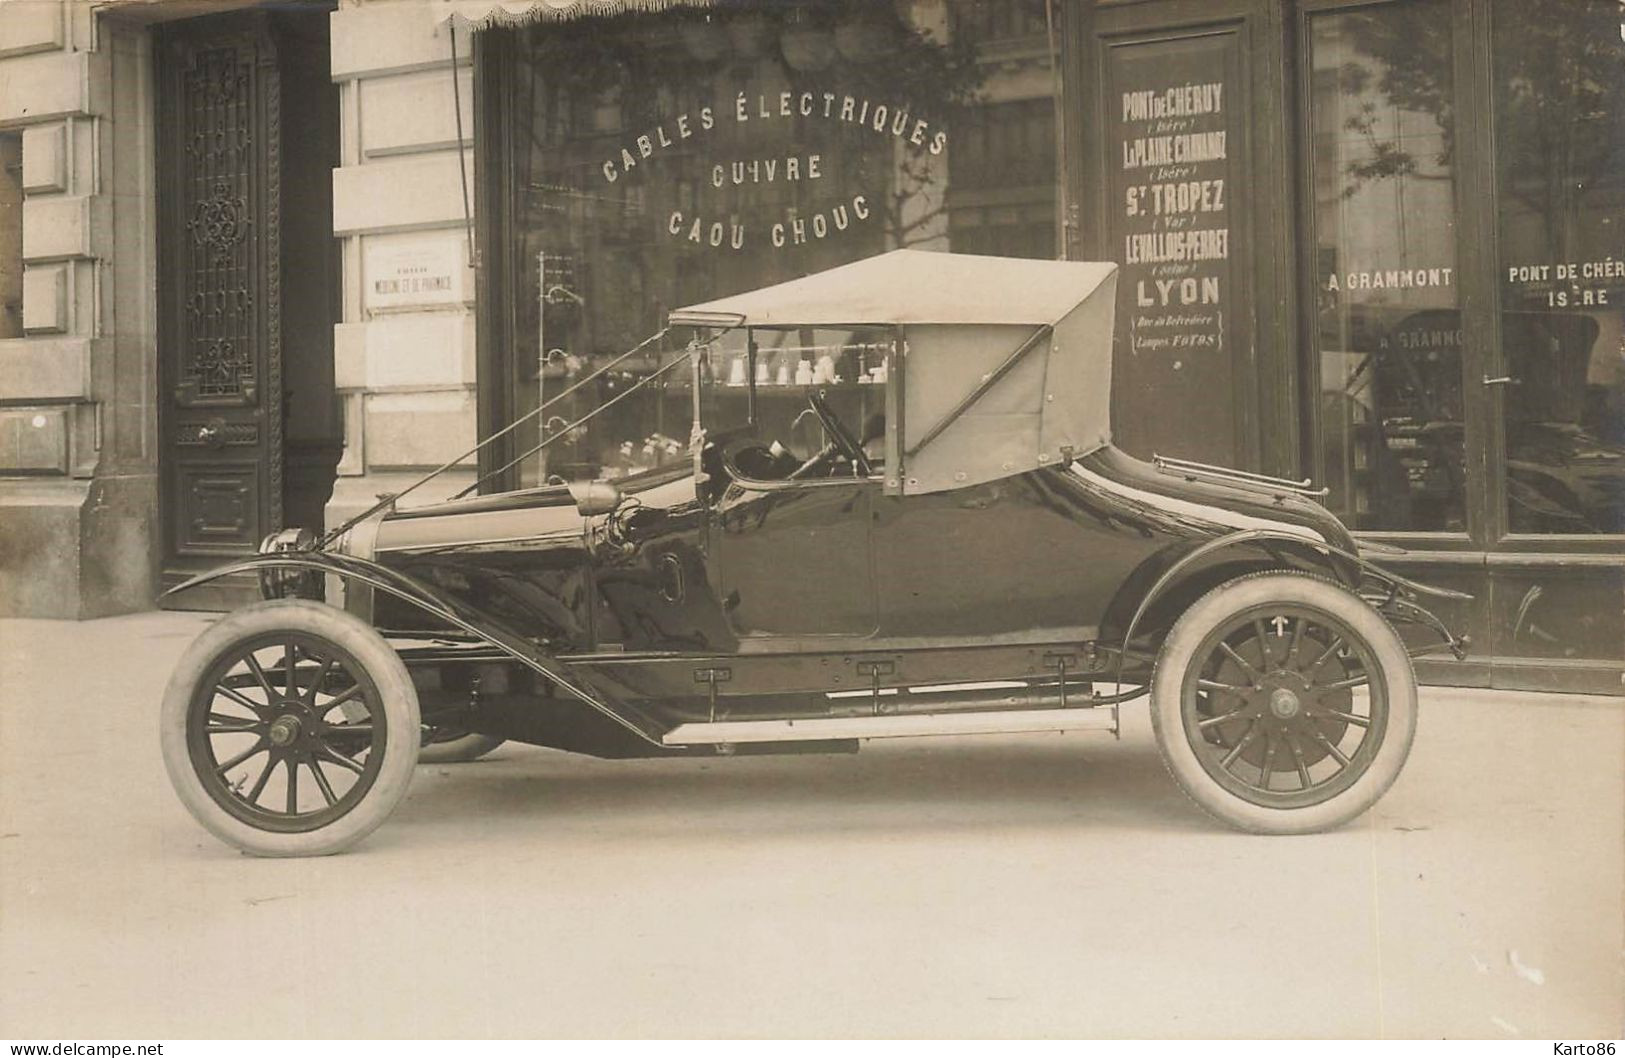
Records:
x=795, y=559
x=1018, y=558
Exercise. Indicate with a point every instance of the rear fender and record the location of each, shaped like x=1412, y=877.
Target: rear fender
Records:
x=1247, y=550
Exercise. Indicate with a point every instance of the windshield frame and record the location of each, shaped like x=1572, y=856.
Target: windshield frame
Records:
x=893, y=356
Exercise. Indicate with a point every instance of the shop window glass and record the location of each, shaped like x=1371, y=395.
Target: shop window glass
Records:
x=662, y=159
x=1560, y=150
x=987, y=21
x=1387, y=324
x=755, y=386
x=1004, y=159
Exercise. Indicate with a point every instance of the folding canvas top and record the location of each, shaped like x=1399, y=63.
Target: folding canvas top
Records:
x=1006, y=366
x=914, y=286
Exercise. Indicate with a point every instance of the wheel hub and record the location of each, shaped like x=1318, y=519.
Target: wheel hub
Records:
x=1284, y=703
x=1279, y=705
x=284, y=730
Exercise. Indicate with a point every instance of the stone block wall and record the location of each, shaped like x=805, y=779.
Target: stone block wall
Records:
x=77, y=481
x=404, y=352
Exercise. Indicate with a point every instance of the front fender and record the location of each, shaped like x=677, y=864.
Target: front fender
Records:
x=348, y=567
x=482, y=627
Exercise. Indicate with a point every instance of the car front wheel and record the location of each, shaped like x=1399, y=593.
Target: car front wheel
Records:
x=1283, y=703
x=290, y=728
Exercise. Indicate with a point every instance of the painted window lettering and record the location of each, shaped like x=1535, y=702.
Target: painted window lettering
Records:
x=1182, y=101
x=1173, y=164
x=767, y=170
x=889, y=119
x=723, y=226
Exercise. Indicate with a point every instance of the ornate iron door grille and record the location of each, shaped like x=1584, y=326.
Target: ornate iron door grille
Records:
x=219, y=170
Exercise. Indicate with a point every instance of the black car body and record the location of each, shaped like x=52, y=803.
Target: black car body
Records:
x=930, y=535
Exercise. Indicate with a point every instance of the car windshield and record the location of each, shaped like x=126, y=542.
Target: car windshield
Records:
x=759, y=382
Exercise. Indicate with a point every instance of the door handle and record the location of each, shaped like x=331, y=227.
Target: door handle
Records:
x=671, y=578
x=212, y=433
x=1502, y=380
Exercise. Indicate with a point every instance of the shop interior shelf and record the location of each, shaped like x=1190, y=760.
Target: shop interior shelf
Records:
x=802, y=390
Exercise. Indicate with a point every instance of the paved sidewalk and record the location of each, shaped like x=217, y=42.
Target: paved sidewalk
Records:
x=1025, y=886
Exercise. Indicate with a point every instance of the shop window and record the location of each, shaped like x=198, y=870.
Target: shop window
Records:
x=1001, y=180
x=989, y=21
x=662, y=159
x=1387, y=322
x=11, y=234
x=1559, y=124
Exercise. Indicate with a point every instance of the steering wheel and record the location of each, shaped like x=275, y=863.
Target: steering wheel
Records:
x=842, y=441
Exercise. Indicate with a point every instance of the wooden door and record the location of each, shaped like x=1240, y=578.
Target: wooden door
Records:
x=218, y=172
x=1183, y=186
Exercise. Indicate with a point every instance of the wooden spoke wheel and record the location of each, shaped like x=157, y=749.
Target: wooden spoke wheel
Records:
x=1283, y=703
x=290, y=728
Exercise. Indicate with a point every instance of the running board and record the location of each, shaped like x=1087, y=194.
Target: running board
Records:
x=1102, y=718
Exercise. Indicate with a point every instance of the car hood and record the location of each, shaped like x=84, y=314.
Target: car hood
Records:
x=545, y=517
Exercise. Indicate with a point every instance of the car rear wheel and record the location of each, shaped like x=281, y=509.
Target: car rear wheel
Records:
x=290, y=728
x=1283, y=703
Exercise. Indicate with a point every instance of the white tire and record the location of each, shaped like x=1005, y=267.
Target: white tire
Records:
x=276, y=767
x=1283, y=703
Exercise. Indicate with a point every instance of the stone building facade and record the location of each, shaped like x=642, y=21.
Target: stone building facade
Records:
x=76, y=435
x=264, y=260
x=83, y=528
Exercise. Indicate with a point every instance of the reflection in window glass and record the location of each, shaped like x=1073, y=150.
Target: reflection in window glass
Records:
x=1387, y=322
x=780, y=371
x=1560, y=149
x=1002, y=175
x=664, y=159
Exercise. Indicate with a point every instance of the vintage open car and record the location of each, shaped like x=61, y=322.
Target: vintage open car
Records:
x=900, y=514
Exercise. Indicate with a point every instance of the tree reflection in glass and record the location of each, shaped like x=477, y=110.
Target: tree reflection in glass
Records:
x=657, y=159
x=1387, y=329
x=1560, y=153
